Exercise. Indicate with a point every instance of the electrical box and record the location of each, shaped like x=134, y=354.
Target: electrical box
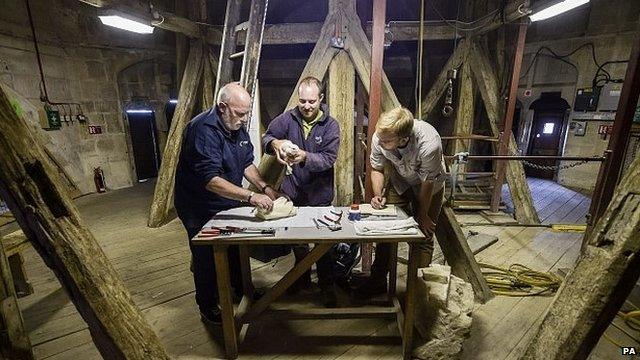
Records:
x=609, y=96
x=586, y=100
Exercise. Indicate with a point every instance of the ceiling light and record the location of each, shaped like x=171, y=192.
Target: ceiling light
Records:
x=557, y=9
x=126, y=23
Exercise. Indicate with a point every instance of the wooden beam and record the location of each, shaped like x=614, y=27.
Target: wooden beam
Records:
x=162, y=205
x=228, y=46
x=14, y=338
x=440, y=84
x=255, y=34
x=319, y=60
x=182, y=44
x=375, y=84
x=594, y=291
x=463, y=122
x=410, y=31
x=305, y=33
x=161, y=19
x=50, y=220
x=514, y=10
x=209, y=67
x=486, y=80
x=508, y=117
x=459, y=256
x=341, y=97
x=359, y=50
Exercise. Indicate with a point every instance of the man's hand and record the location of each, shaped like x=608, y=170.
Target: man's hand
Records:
x=276, y=145
x=427, y=225
x=299, y=157
x=378, y=202
x=274, y=194
x=262, y=201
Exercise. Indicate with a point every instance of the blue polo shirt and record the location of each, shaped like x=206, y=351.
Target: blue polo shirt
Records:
x=209, y=150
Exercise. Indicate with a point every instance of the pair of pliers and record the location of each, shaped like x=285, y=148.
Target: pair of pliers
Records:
x=213, y=232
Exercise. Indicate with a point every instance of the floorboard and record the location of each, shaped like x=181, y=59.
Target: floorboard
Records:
x=154, y=265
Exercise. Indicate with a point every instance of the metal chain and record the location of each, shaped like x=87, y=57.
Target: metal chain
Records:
x=551, y=167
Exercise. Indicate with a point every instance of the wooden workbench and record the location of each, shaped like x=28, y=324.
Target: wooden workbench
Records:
x=235, y=324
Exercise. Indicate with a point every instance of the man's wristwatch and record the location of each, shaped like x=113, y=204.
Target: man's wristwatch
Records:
x=250, y=196
x=264, y=187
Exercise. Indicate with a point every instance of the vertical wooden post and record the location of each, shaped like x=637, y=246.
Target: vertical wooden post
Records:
x=611, y=168
x=375, y=87
x=341, y=102
x=14, y=339
x=508, y=117
x=465, y=112
x=359, y=161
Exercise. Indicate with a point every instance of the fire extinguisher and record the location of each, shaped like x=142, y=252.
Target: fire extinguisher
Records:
x=98, y=179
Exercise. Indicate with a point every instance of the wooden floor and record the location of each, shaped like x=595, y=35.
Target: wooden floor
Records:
x=154, y=264
x=554, y=203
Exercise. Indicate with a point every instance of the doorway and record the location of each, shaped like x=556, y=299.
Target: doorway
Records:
x=546, y=132
x=142, y=129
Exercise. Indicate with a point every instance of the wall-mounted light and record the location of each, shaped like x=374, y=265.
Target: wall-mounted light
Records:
x=557, y=9
x=173, y=101
x=125, y=22
x=139, y=111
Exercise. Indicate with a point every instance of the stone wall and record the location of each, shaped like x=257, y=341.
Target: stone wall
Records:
x=81, y=60
x=607, y=25
x=149, y=84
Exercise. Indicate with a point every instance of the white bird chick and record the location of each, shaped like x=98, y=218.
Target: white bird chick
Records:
x=288, y=150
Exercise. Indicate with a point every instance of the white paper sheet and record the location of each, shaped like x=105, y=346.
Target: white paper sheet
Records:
x=243, y=217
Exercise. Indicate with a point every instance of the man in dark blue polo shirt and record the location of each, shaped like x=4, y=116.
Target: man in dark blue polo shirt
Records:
x=317, y=135
x=216, y=154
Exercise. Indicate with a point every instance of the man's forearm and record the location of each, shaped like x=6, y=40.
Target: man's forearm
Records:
x=252, y=174
x=377, y=182
x=227, y=190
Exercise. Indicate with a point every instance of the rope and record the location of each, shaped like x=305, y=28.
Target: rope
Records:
x=632, y=320
x=519, y=280
x=420, y=60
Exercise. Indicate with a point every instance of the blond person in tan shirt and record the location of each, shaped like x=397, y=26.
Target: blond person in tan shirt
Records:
x=411, y=151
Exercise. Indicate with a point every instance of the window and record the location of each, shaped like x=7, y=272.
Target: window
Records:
x=548, y=128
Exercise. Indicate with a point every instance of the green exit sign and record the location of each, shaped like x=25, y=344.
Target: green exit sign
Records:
x=53, y=118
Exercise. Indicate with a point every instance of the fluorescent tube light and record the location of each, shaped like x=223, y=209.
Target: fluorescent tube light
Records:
x=557, y=9
x=120, y=22
x=173, y=101
x=139, y=111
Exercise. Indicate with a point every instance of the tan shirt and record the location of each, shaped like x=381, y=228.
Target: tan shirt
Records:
x=419, y=161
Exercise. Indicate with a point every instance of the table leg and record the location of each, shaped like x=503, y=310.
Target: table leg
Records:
x=367, y=257
x=289, y=278
x=245, y=268
x=393, y=271
x=226, y=304
x=409, y=305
